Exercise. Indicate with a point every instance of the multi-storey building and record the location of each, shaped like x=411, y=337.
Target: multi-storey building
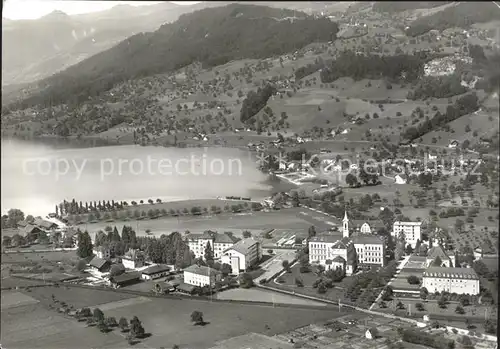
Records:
x=197, y=275
x=242, y=255
x=447, y=258
x=452, y=280
x=218, y=242
x=412, y=231
x=370, y=250
x=325, y=248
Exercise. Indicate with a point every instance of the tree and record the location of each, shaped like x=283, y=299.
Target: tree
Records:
x=116, y=269
x=246, y=280
x=81, y=265
x=437, y=262
x=197, y=317
x=311, y=231
x=98, y=315
x=209, y=254
x=111, y=321
x=424, y=293
x=14, y=216
x=459, y=310
x=442, y=302
x=351, y=180
x=136, y=329
x=247, y=234
x=85, y=248
x=413, y=280
x=286, y=265
x=419, y=306
x=123, y=324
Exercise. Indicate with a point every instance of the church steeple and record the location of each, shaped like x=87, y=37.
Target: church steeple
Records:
x=345, y=225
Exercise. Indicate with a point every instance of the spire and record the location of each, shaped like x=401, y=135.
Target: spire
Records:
x=345, y=216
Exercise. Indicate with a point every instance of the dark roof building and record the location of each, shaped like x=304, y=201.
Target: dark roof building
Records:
x=100, y=264
x=451, y=273
x=156, y=269
x=201, y=270
x=125, y=278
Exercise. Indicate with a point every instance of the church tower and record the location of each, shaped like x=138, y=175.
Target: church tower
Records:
x=345, y=226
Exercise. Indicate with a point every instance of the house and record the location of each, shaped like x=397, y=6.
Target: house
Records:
x=44, y=224
x=155, y=272
x=400, y=179
x=242, y=255
x=133, y=259
x=125, y=279
x=103, y=252
x=198, y=275
x=412, y=231
x=447, y=259
x=218, y=243
x=32, y=230
x=186, y=288
x=453, y=144
x=99, y=266
x=370, y=250
x=482, y=250
x=452, y=280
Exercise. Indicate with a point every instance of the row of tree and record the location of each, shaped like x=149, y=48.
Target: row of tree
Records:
x=462, y=106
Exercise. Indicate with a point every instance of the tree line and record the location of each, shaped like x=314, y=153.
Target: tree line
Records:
x=254, y=102
x=462, y=106
x=437, y=87
x=399, y=67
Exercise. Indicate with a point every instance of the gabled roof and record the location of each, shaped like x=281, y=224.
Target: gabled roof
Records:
x=44, y=223
x=98, y=263
x=226, y=238
x=125, y=277
x=342, y=243
x=159, y=268
x=244, y=246
x=437, y=251
x=451, y=273
x=28, y=229
x=366, y=239
x=201, y=270
x=133, y=254
x=325, y=237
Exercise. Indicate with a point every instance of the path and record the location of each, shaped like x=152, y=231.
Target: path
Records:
x=398, y=270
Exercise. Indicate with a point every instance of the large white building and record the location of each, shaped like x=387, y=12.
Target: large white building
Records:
x=412, y=231
x=331, y=251
x=218, y=242
x=370, y=250
x=197, y=275
x=242, y=255
x=452, y=280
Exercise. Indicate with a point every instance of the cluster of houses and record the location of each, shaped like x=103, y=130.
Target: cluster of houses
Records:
x=239, y=254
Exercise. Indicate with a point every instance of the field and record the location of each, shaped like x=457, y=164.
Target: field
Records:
x=259, y=295
x=255, y=222
x=167, y=320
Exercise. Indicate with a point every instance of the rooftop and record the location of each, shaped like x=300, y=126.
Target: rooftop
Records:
x=244, y=246
x=408, y=223
x=158, y=268
x=437, y=251
x=326, y=237
x=125, y=277
x=451, y=273
x=98, y=262
x=342, y=243
x=201, y=270
x=368, y=239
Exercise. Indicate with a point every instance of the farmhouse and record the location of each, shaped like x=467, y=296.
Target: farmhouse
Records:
x=197, y=275
x=218, y=243
x=242, y=255
x=98, y=266
x=411, y=231
x=133, y=259
x=44, y=224
x=155, y=272
x=125, y=279
x=452, y=280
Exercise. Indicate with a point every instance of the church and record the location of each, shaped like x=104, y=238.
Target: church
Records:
x=349, y=251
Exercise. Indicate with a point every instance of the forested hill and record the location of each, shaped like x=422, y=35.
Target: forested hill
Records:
x=400, y=6
x=211, y=36
x=462, y=16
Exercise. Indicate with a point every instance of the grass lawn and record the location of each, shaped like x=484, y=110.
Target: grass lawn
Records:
x=333, y=294
x=57, y=256
x=259, y=295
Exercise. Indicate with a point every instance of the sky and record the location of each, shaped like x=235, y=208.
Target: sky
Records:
x=33, y=9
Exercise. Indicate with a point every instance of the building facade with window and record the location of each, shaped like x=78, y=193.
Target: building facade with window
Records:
x=452, y=280
x=197, y=275
x=370, y=250
x=218, y=243
x=412, y=231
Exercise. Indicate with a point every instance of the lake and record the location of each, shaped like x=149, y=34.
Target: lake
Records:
x=36, y=176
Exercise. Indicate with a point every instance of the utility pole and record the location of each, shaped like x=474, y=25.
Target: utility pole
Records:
x=339, y=305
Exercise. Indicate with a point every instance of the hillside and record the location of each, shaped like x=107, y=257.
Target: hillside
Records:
x=35, y=49
x=462, y=15
x=396, y=6
x=210, y=36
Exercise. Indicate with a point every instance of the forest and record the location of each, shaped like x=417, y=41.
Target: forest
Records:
x=462, y=15
x=211, y=36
